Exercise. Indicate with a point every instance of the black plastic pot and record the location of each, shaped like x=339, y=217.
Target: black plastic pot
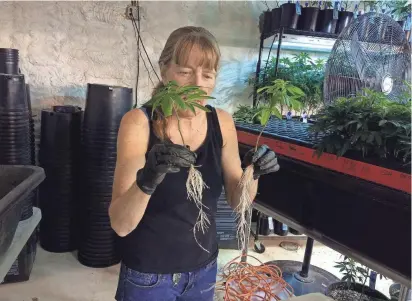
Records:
x=308, y=19
x=327, y=24
x=265, y=22
x=340, y=291
x=9, y=61
x=276, y=16
x=294, y=232
x=280, y=228
x=264, y=225
x=344, y=19
x=289, y=16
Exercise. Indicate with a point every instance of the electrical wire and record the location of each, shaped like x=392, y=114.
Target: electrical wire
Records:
x=242, y=281
x=137, y=34
x=144, y=48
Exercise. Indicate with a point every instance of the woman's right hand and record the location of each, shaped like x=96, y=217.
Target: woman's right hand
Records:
x=163, y=159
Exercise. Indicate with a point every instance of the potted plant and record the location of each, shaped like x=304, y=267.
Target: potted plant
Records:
x=276, y=16
x=345, y=16
x=327, y=23
x=289, y=17
x=401, y=10
x=247, y=114
x=265, y=22
x=307, y=74
x=309, y=17
x=353, y=285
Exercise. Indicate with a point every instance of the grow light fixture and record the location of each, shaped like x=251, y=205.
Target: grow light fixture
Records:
x=304, y=43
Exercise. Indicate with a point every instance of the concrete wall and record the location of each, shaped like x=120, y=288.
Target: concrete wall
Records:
x=65, y=45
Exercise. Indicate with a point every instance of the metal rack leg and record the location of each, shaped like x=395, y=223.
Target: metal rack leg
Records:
x=306, y=259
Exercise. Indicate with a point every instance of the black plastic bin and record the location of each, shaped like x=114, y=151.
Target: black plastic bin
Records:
x=16, y=183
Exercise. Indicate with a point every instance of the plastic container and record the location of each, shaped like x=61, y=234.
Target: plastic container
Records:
x=345, y=17
x=309, y=18
x=289, y=16
x=16, y=183
x=341, y=291
x=21, y=269
x=280, y=228
x=276, y=16
x=265, y=22
x=264, y=225
x=327, y=24
x=9, y=61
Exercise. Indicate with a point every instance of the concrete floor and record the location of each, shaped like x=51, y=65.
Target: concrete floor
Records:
x=60, y=277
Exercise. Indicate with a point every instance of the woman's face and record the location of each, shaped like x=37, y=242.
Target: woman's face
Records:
x=193, y=73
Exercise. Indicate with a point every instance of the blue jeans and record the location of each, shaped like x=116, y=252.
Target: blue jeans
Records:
x=193, y=286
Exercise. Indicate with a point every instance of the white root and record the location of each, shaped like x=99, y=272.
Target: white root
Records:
x=244, y=208
x=194, y=187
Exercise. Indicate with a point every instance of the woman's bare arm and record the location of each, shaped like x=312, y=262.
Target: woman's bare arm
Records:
x=128, y=201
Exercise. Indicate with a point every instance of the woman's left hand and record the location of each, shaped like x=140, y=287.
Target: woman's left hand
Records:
x=264, y=161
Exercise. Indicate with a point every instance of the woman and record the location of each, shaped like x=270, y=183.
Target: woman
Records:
x=150, y=211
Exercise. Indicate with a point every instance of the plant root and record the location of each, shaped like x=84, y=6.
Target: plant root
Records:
x=243, y=281
x=195, y=186
x=244, y=208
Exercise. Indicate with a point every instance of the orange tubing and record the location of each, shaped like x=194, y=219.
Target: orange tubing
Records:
x=242, y=281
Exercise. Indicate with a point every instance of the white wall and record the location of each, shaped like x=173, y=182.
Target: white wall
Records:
x=65, y=45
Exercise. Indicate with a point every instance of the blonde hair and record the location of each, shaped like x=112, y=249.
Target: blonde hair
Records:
x=177, y=50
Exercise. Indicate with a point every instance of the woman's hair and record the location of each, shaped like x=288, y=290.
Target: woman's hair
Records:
x=177, y=50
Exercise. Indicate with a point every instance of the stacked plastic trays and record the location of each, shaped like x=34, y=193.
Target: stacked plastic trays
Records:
x=105, y=107
x=59, y=155
x=226, y=226
x=16, y=124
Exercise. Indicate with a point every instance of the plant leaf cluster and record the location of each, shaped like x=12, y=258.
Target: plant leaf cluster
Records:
x=354, y=272
x=172, y=97
x=301, y=71
x=369, y=123
x=280, y=93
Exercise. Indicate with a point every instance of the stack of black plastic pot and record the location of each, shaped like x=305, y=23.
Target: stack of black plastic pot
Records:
x=105, y=107
x=16, y=122
x=60, y=151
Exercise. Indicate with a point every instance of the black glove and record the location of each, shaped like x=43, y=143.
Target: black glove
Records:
x=264, y=161
x=163, y=159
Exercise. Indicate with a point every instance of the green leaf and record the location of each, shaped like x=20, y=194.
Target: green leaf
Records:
x=191, y=107
x=199, y=106
x=265, y=116
x=167, y=107
x=178, y=100
x=260, y=90
x=276, y=112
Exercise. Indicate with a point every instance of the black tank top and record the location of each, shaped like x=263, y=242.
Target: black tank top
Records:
x=163, y=242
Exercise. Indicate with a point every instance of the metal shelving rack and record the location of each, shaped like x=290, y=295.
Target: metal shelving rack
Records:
x=279, y=34
x=303, y=277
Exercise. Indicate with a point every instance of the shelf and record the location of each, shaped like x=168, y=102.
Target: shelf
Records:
x=24, y=230
x=297, y=32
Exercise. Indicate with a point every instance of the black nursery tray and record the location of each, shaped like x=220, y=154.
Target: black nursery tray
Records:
x=293, y=139
x=16, y=183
